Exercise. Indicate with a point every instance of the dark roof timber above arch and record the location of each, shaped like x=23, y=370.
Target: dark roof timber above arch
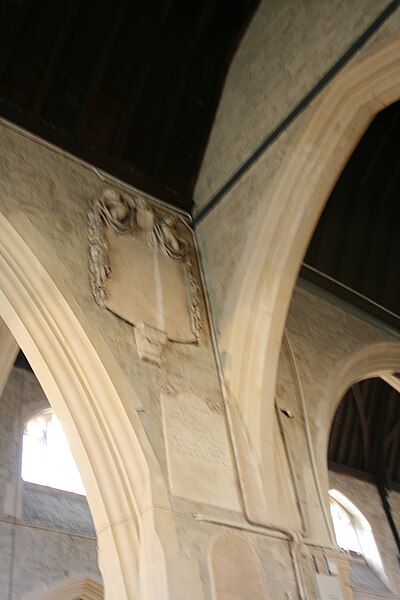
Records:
x=129, y=86
x=365, y=434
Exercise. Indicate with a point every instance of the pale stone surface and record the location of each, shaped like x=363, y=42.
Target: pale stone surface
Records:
x=286, y=50
x=321, y=335
x=84, y=589
x=168, y=540
x=199, y=462
x=329, y=587
x=140, y=262
x=57, y=509
x=45, y=196
x=53, y=538
x=237, y=570
x=148, y=287
x=251, y=282
x=315, y=327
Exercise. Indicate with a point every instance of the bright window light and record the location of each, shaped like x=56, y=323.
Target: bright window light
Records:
x=46, y=456
x=354, y=533
x=346, y=535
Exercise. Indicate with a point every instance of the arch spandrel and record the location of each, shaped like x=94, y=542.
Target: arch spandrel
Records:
x=254, y=317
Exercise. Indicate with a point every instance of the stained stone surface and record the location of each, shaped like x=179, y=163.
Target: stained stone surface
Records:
x=148, y=287
x=198, y=458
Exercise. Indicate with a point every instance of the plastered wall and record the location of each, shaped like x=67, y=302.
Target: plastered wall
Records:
x=46, y=535
x=285, y=51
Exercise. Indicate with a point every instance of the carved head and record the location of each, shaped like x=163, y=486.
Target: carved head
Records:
x=144, y=215
x=117, y=206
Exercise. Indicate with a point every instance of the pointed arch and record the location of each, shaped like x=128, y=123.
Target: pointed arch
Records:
x=373, y=360
x=255, y=313
x=69, y=359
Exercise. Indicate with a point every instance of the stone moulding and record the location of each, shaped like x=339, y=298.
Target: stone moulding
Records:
x=154, y=288
x=85, y=589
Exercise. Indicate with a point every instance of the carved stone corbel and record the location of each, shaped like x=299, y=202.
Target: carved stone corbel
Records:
x=149, y=343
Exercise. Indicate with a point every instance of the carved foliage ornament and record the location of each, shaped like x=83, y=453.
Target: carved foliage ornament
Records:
x=140, y=269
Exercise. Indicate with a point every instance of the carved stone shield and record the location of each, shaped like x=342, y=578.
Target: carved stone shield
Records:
x=140, y=266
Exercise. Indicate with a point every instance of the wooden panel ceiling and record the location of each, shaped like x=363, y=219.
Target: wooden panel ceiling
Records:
x=365, y=434
x=130, y=86
x=357, y=239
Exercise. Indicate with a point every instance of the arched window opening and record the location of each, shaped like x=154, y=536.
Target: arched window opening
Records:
x=354, y=533
x=46, y=455
x=345, y=530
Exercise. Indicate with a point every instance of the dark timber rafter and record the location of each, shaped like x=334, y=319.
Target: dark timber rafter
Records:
x=364, y=424
x=55, y=58
x=101, y=66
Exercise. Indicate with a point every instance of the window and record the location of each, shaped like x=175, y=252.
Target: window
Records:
x=354, y=533
x=46, y=456
x=345, y=530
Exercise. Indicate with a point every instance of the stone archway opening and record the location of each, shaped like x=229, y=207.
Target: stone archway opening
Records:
x=47, y=534
x=72, y=375
x=364, y=469
x=253, y=321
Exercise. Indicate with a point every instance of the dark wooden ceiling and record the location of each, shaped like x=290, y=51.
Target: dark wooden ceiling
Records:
x=365, y=434
x=131, y=86
x=357, y=241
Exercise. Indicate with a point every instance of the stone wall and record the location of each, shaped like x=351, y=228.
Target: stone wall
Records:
x=46, y=535
x=45, y=192
x=175, y=408
x=321, y=334
x=45, y=196
x=365, y=497
x=285, y=51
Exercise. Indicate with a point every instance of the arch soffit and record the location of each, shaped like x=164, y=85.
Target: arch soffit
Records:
x=54, y=337
x=257, y=305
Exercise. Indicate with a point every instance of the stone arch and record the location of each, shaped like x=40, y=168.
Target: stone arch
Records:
x=8, y=353
x=85, y=387
x=373, y=360
x=84, y=589
x=254, y=316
